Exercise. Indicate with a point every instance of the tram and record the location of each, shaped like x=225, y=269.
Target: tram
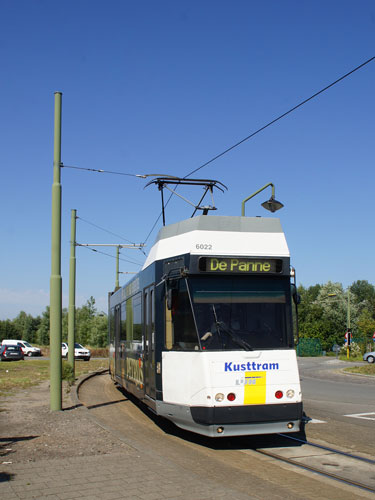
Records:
x=203, y=334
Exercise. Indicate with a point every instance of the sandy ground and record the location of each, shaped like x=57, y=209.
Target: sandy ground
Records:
x=29, y=431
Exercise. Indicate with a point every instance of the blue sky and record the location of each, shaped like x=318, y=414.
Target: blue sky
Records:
x=163, y=86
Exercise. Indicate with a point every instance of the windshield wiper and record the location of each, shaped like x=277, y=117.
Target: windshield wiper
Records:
x=220, y=325
x=236, y=338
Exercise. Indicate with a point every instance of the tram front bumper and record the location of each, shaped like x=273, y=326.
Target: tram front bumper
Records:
x=247, y=414
x=234, y=420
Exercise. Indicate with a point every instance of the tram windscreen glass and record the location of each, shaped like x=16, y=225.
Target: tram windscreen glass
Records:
x=236, y=313
x=184, y=333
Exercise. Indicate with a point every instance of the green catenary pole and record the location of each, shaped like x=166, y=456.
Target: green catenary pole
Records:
x=56, y=280
x=348, y=326
x=117, y=286
x=72, y=291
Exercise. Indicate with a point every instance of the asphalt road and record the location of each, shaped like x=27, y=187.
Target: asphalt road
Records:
x=341, y=406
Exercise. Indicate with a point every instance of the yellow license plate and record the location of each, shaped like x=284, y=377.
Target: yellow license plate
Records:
x=255, y=388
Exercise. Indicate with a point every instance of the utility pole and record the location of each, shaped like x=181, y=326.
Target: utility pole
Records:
x=118, y=246
x=117, y=284
x=56, y=280
x=349, y=330
x=72, y=291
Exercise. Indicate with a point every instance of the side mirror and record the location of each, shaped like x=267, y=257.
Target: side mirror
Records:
x=169, y=298
x=297, y=298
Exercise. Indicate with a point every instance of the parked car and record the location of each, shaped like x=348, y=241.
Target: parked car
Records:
x=11, y=353
x=369, y=357
x=27, y=348
x=80, y=352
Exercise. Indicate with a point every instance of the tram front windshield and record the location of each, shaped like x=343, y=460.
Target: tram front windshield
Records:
x=232, y=313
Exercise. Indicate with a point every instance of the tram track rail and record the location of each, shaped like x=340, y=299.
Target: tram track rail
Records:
x=328, y=448
x=326, y=458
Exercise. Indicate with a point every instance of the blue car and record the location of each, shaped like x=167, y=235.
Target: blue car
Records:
x=11, y=353
x=369, y=357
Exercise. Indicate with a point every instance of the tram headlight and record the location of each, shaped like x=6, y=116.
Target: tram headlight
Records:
x=290, y=393
x=219, y=397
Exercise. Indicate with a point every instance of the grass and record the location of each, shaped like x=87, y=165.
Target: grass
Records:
x=16, y=375
x=353, y=359
x=367, y=369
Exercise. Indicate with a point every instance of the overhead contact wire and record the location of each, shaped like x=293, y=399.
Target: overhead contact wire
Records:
x=264, y=127
x=106, y=230
x=281, y=116
x=109, y=255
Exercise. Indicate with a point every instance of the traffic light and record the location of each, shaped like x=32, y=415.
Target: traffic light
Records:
x=349, y=335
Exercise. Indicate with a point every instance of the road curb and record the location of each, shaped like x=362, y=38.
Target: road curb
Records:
x=342, y=370
x=75, y=388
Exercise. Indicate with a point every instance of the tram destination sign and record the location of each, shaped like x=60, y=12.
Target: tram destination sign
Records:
x=240, y=265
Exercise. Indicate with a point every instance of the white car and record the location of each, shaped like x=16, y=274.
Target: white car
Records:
x=80, y=352
x=26, y=347
x=369, y=357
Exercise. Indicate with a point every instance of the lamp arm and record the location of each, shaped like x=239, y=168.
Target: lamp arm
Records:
x=254, y=194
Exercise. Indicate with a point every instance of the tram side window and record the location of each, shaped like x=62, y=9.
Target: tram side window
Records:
x=129, y=320
x=137, y=317
x=152, y=315
x=123, y=322
x=133, y=323
x=112, y=325
x=184, y=335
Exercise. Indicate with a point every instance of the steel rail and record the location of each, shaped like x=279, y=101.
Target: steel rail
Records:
x=333, y=450
x=316, y=470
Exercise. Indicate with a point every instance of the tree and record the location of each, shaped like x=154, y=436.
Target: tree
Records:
x=26, y=326
x=84, y=321
x=366, y=325
x=99, y=331
x=43, y=329
x=363, y=296
x=306, y=307
x=91, y=327
x=336, y=303
x=8, y=330
x=323, y=313
x=64, y=325
x=363, y=291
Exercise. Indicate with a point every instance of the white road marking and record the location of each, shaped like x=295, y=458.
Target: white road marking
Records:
x=316, y=421
x=362, y=415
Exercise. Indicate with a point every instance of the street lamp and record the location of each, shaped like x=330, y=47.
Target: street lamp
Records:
x=348, y=327
x=272, y=205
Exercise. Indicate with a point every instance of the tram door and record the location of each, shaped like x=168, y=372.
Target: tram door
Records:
x=117, y=341
x=149, y=333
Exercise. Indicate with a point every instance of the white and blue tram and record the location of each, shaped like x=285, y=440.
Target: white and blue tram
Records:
x=203, y=335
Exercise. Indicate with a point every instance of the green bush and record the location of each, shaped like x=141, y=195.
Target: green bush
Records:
x=355, y=351
x=67, y=372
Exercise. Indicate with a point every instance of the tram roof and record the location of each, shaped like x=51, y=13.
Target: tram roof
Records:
x=254, y=236
x=221, y=223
